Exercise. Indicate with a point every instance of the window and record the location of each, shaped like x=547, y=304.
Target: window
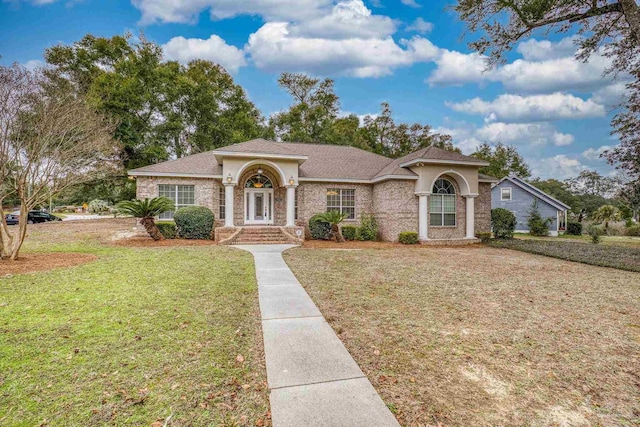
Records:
x=505, y=193
x=181, y=195
x=343, y=201
x=258, y=181
x=222, y=202
x=296, y=205
x=442, y=209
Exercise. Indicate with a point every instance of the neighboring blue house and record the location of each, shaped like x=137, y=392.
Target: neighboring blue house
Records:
x=516, y=195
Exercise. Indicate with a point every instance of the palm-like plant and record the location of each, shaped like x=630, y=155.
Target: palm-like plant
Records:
x=606, y=214
x=334, y=218
x=147, y=210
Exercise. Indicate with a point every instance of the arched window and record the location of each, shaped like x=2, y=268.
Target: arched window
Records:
x=442, y=207
x=258, y=181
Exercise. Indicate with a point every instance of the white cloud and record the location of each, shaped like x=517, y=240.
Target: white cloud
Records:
x=214, y=49
x=32, y=64
x=612, y=95
x=420, y=26
x=523, y=134
x=456, y=68
x=349, y=18
x=559, y=167
x=184, y=11
x=518, y=108
x=541, y=50
x=594, y=153
x=410, y=3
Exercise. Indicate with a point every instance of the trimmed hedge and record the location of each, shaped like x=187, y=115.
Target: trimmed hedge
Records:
x=194, y=222
x=368, y=228
x=484, y=237
x=574, y=228
x=503, y=223
x=320, y=230
x=350, y=232
x=408, y=238
x=168, y=229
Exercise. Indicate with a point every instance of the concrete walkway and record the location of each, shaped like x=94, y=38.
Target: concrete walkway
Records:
x=313, y=379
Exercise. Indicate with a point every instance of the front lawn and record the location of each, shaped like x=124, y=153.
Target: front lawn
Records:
x=611, y=255
x=477, y=336
x=138, y=337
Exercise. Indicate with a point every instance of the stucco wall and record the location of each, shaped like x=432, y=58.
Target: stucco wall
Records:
x=395, y=208
x=463, y=176
x=312, y=199
x=205, y=189
x=520, y=204
x=483, y=208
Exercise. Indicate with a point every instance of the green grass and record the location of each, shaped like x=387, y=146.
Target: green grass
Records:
x=135, y=337
x=623, y=257
x=629, y=241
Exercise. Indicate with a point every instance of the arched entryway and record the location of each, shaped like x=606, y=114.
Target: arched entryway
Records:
x=259, y=199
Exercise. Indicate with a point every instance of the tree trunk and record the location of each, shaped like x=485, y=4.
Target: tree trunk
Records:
x=631, y=12
x=335, y=230
x=150, y=225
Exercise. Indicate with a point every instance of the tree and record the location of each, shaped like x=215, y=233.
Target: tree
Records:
x=334, y=218
x=559, y=190
x=50, y=140
x=606, y=214
x=503, y=161
x=591, y=183
x=629, y=194
x=538, y=226
x=608, y=27
x=146, y=210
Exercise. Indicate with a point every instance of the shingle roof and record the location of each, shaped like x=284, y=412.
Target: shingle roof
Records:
x=483, y=177
x=324, y=161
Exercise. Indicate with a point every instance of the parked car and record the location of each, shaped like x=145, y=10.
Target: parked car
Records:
x=34, y=217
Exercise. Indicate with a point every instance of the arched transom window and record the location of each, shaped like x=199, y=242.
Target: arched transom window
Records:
x=258, y=181
x=442, y=207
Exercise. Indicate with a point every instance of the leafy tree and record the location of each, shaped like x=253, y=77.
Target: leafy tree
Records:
x=606, y=214
x=334, y=218
x=504, y=160
x=557, y=189
x=538, y=226
x=591, y=183
x=50, y=140
x=147, y=210
x=608, y=27
x=629, y=195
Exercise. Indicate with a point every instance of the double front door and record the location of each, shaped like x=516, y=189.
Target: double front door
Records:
x=258, y=206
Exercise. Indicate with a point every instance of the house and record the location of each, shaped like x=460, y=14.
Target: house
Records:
x=518, y=196
x=435, y=192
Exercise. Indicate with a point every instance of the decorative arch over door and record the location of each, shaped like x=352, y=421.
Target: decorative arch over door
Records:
x=258, y=200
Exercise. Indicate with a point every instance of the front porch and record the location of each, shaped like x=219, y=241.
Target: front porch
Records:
x=254, y=234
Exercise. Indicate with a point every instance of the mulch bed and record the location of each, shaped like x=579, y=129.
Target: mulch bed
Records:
x=29, y=263
x=148, y=242
x=355, y=244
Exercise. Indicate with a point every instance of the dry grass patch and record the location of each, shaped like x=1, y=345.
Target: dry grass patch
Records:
x=29, y=263
x=477, y=336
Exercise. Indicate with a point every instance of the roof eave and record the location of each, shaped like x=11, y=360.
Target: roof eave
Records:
x=173, y=174
x=239, y=154
x=414, y=162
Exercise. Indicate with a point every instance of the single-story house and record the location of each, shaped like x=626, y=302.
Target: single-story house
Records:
x=518, y=196
x=434, y=192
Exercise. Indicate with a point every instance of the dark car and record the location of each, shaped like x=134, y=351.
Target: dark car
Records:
x=34, y=217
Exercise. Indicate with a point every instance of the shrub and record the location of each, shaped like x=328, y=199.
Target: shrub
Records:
x=596, y=233
x=634, y=231
x=574, y=228
x=629, y=223
x=368, y=228
x=194, y=222
x=484, y=236
x=98, y=206
x=320, y=229
x=168, y=229
x=350, y=232
x=503, y=223
x=538, y=226
x=408, y=237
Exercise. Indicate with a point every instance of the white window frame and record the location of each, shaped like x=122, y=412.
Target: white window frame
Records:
x=502, y=198
x=340, y=206
x=443, y=212
x=222, y=203
x=168, y=216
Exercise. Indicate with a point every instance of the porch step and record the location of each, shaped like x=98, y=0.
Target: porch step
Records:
x=261, y=235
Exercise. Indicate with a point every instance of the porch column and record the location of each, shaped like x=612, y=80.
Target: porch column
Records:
x=291, y=205
x=471, y=216
x=423, y=227
x=228, y=204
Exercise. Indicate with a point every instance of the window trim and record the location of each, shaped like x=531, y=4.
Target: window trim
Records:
x=341, y=206
x=175, y=199
x=442, y=213
x=502, y=198
x=222, y=203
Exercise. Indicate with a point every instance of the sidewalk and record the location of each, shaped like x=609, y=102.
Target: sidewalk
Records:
x=313, y=379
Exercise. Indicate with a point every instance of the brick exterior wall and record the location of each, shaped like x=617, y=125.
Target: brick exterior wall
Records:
x=395, y=208
x=312, y=199
x=205, y=189
x=483, y=208
x=459, y=231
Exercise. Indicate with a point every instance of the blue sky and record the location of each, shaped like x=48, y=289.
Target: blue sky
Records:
x=409, y=53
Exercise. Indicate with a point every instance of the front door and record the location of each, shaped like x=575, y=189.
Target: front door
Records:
x=258, y=206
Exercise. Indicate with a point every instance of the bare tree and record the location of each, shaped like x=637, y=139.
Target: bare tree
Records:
x=50, y=139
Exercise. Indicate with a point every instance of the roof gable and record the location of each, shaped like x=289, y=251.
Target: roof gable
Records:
x=535, y=192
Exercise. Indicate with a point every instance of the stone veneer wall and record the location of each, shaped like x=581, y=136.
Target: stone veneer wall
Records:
x=395, y=207
x=459, y=231
x=312, y=199
x=205, y=189
x=483, y=208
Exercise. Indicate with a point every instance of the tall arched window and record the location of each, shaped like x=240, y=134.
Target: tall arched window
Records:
x=442, y=207
x=258, y=181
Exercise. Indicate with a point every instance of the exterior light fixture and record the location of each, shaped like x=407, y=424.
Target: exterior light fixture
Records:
x=260, y=171
x=291, y=180
x=229, y=178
